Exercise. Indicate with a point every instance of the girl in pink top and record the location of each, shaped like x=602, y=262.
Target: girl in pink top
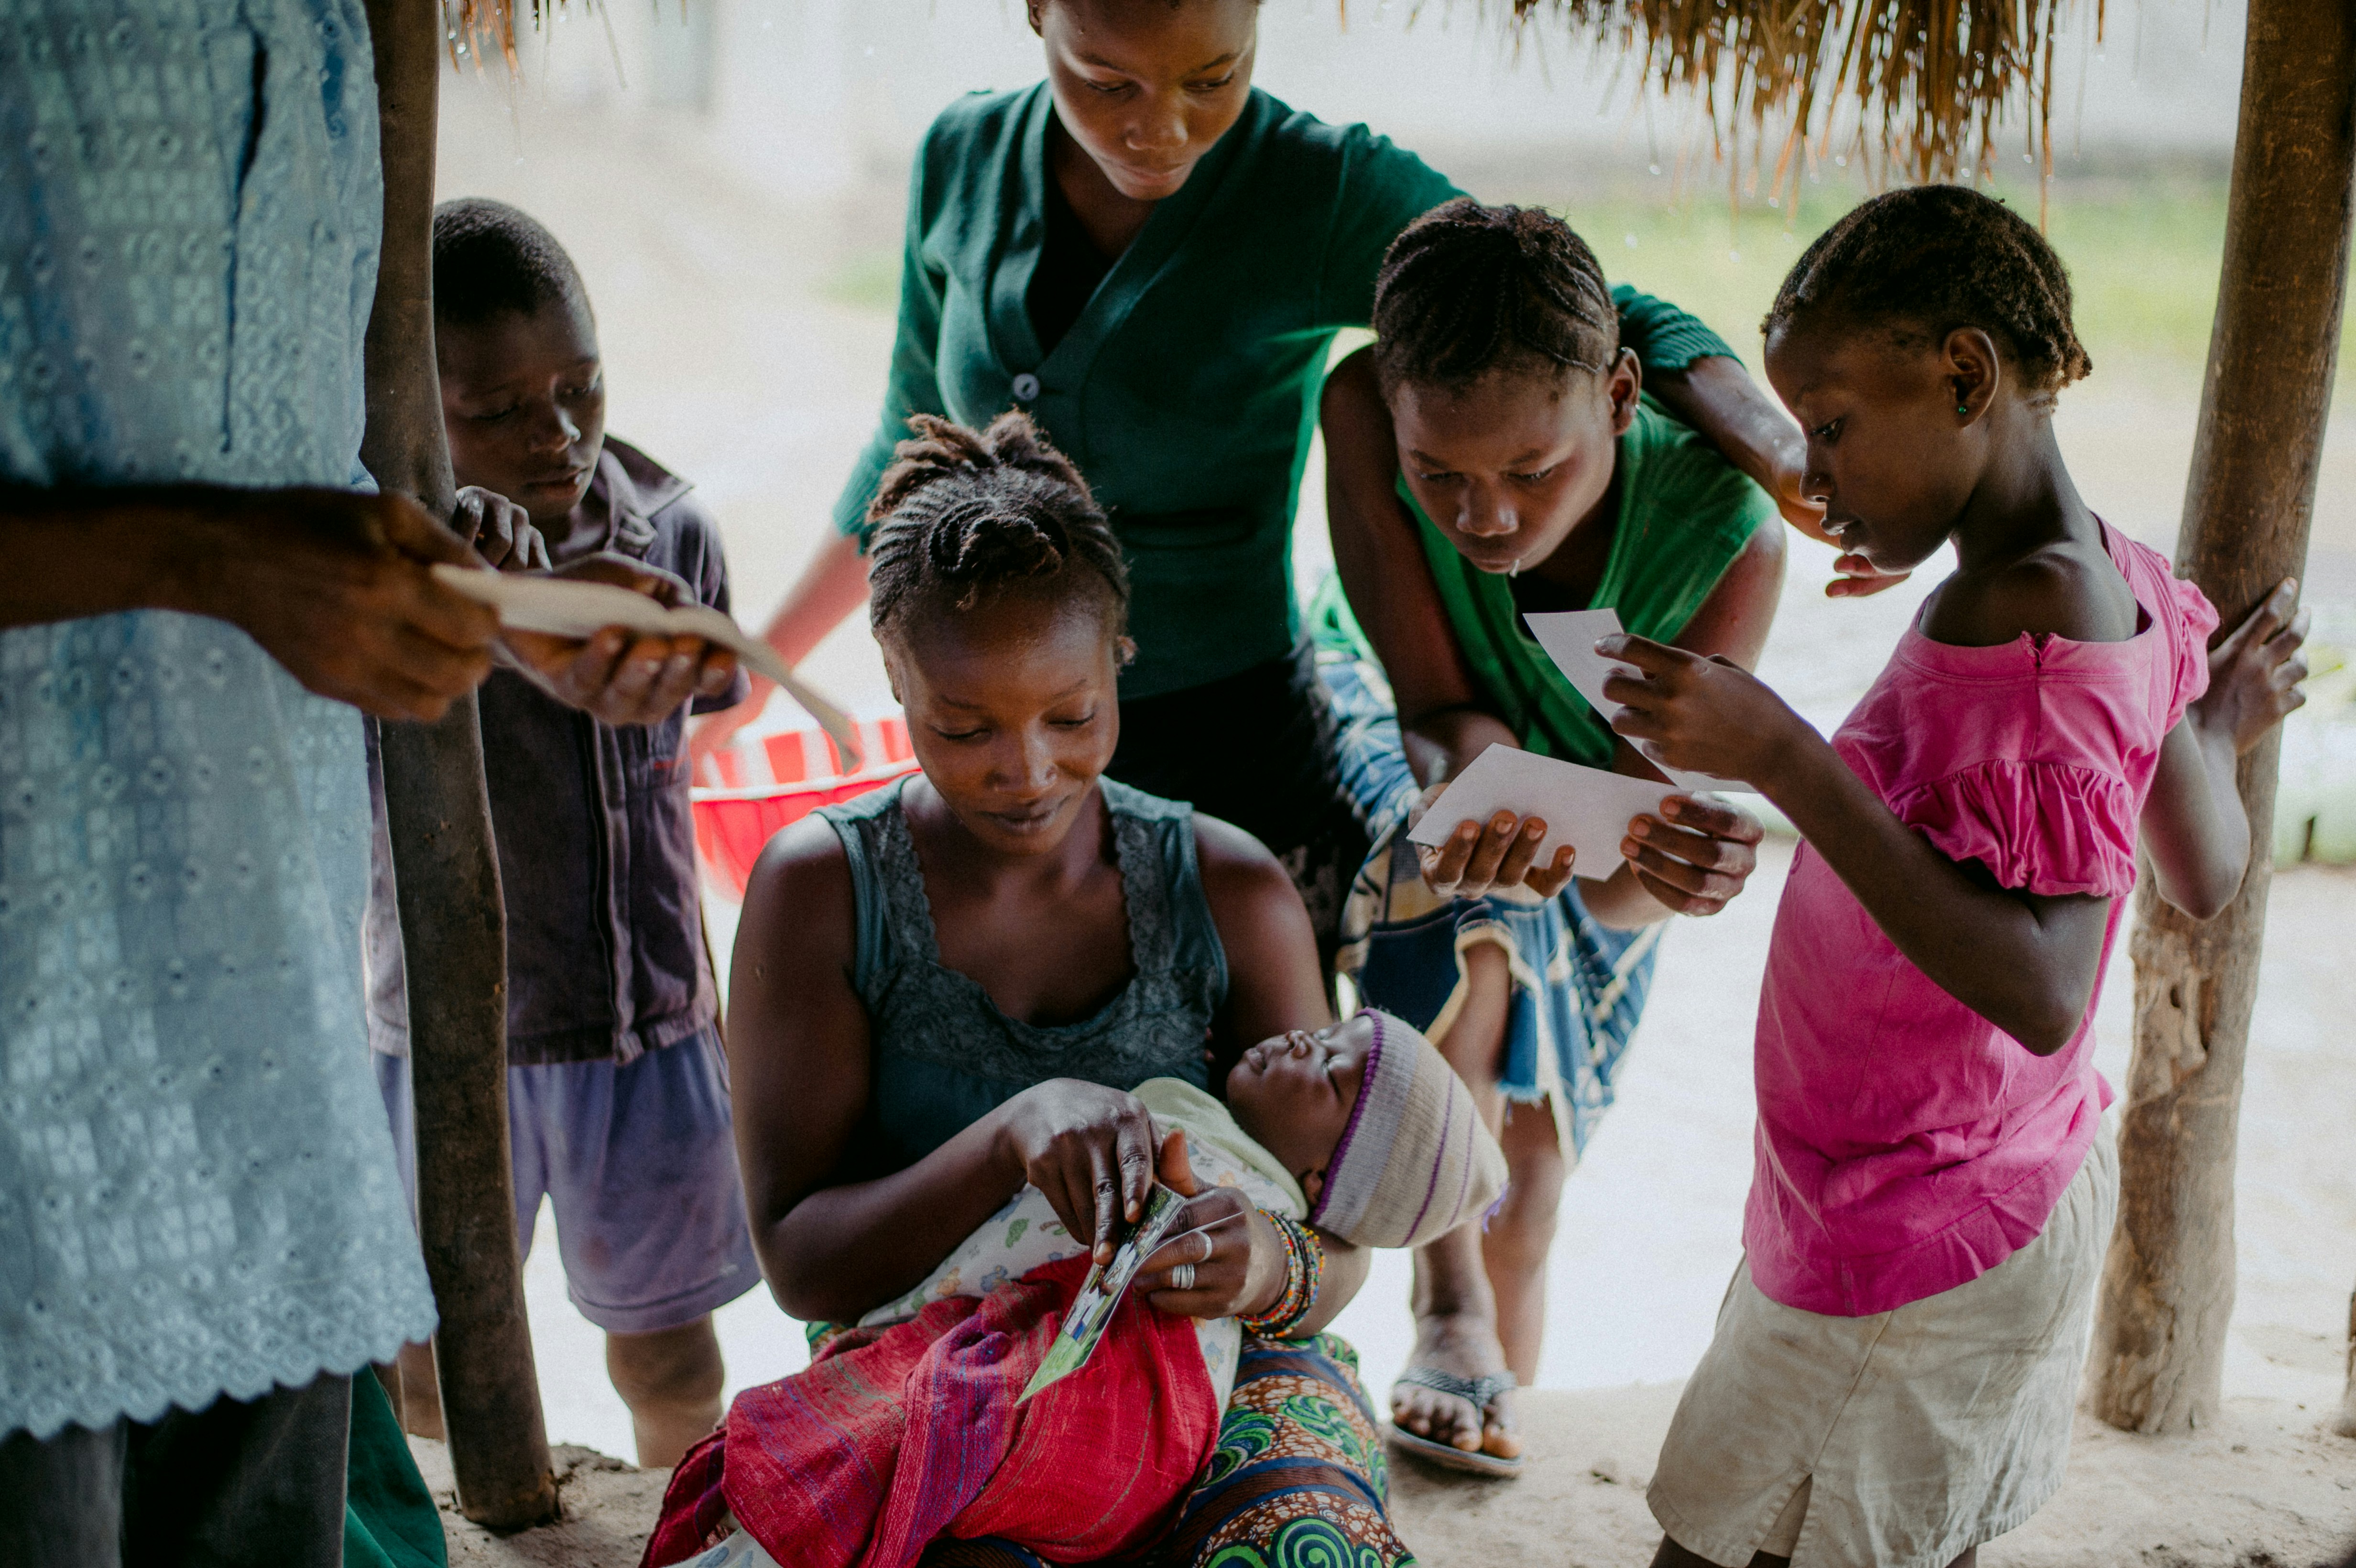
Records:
x=1894, y=1367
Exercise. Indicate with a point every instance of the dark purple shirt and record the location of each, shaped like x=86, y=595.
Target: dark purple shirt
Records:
x=596, y=844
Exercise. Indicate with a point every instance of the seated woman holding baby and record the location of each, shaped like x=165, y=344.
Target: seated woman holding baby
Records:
x=976, y=1016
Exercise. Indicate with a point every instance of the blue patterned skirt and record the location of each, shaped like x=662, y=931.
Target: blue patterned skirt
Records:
x=1579, y=986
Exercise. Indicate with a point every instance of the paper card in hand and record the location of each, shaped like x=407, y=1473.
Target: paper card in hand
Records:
x=1568, y=636
x=566, y=607
x=1092, y=1308
x=1586, y=808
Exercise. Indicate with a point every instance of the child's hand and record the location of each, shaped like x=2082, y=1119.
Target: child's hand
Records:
x=500, y=531
x=1700, y=715
x=619, y=677
x=1481, y=857
x=1860, y=579
x=1696, y=855
x=2254, y=675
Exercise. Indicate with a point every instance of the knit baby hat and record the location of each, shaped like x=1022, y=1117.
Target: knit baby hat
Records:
x=1414, y=1162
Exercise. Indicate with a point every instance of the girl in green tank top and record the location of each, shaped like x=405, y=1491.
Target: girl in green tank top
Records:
x=1531, y=474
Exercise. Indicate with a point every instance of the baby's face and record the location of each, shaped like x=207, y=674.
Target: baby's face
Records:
x=1293, y=1094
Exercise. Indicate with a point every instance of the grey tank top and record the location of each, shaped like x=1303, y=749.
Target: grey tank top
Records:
x=943, y=1053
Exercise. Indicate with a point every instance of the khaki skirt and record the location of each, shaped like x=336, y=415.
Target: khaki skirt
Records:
x=1900, y=1440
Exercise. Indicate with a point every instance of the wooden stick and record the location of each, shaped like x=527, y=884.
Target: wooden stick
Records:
x=2168, y=1284
x=453, y=924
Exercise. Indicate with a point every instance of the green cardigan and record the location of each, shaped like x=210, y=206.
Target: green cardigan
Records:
x=1685, y=513
x=1187, y=389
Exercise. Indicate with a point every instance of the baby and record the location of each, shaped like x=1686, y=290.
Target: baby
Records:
x=912, y=1426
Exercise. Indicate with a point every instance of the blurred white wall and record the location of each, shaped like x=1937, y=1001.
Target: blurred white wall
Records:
x=811, y=97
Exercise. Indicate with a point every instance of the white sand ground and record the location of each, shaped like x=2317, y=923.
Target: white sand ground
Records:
x=2266, y=1489
x=730, y=356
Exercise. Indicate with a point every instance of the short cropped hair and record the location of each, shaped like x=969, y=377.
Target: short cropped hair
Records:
x=491, y=259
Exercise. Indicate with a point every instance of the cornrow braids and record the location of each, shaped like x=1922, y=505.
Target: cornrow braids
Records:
x=1467, y=289
x=961, y=516
x=1930, y=259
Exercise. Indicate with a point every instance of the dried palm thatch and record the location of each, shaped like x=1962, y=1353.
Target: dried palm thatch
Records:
x=1931, y=81
x=482, y=27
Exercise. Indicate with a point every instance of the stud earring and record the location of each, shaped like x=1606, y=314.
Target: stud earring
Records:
x=1964, y=409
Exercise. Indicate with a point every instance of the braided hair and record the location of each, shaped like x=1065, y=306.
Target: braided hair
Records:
x=1467, y=289
x=962, y=516
x=1930, y=259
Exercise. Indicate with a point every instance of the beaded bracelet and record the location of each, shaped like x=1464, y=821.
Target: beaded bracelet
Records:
x=1304, y=1267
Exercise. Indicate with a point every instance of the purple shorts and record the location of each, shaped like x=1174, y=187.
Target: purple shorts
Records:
x=640, y=1166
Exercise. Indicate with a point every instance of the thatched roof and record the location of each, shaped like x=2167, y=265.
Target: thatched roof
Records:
x=1932, y=83
x=483, y=27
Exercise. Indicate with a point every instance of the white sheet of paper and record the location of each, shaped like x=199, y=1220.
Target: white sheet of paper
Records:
x=1568, y=636
x=1586, y=808
x=561, y=607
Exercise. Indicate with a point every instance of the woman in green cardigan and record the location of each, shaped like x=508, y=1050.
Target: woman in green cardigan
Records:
x=1150, y=258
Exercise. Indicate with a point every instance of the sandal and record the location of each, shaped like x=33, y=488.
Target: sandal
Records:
x=1476, y=1391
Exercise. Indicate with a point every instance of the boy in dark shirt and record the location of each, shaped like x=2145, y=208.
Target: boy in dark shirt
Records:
x=618, y=1093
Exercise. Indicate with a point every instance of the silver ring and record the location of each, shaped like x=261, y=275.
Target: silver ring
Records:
x=1182, y=1277
x=1209, y=1247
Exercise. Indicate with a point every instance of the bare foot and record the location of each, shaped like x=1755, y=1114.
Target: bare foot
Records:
x=1465, y=1345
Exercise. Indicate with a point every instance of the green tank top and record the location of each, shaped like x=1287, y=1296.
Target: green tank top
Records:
x=1685, y=513
x=943, y=1053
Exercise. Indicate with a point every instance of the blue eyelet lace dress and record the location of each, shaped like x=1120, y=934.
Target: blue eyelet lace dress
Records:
x=197, y=1184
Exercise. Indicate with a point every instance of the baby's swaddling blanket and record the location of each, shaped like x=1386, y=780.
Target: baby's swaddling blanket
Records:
x=905, y=1428
x=1025, y=1234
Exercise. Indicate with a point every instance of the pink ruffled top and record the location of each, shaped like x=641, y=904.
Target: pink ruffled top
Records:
x=1905, y=1144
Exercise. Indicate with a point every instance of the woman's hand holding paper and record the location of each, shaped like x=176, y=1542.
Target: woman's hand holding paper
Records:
x=1088, y=1149
x=1235, y=1255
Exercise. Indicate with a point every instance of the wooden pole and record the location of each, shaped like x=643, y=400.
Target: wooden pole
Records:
x=2344, y=1423
x=2168, y=1284
x=453, y=924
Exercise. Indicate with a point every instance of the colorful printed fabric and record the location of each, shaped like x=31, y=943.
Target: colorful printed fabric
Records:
x=912, y=1432
x=1296, y=1481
